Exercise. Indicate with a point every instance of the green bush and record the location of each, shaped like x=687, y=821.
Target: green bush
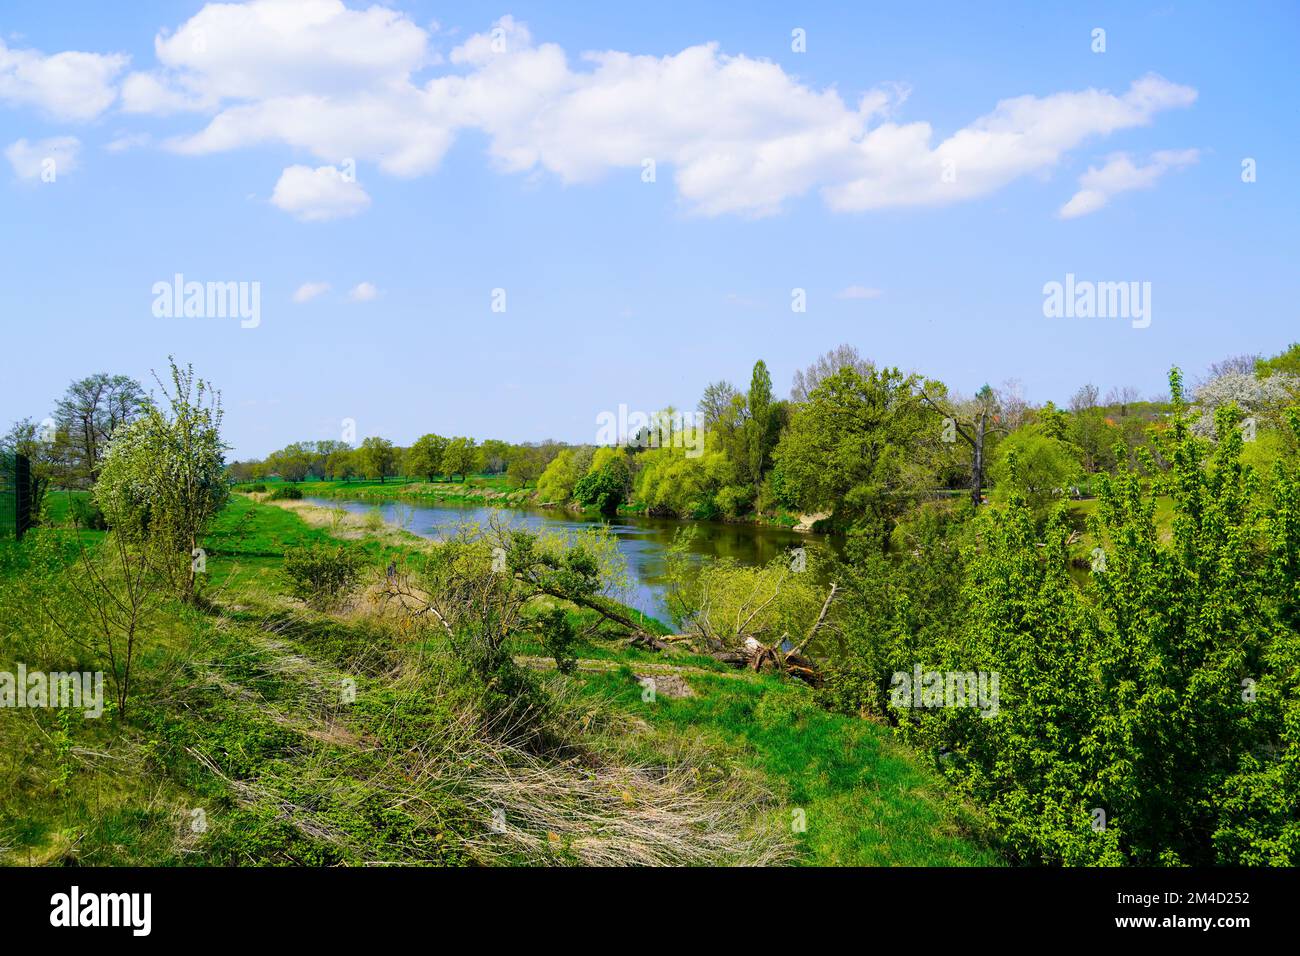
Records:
x=1150, y=715
x=250, y=489
x=86, y=514
x=286, y=493
x=322, y=575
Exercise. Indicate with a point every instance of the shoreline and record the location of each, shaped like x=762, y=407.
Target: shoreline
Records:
x=422, y=492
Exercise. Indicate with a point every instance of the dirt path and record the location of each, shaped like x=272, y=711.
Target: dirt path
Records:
x=669, y=679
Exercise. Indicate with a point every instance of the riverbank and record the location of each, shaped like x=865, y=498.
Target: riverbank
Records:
x=267, y=732
x=493, y=491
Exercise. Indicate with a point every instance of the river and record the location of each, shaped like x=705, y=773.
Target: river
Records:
x=642, y=542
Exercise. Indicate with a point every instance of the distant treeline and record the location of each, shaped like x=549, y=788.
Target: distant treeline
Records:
x=858, y=443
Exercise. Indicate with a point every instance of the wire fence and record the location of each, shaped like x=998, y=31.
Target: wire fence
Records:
x=15, y=494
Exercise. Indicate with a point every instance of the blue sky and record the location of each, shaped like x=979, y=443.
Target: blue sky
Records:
x=775, y=170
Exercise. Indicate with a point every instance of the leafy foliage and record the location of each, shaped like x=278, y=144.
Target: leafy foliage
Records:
x=321, y=575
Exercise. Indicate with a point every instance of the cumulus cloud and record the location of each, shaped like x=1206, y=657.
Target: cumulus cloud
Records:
x=56, y=156
x=1120, y=174
x=68, y=85
x=318, y=195
x=738, y=135
x=310, y=290
x=363, y=292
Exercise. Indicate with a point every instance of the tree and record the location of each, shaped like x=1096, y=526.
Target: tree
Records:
x=342, y=463
x=528, y=462
x=461, y=458
x=240, y=471
x=1244, y=364
x=377, y=458
x=607, y=481
x=495, y=455
x=425, y=456
x=1123, y=396
x=1013, y=410
x=1085, y=398
x=1264, y=398
x=91, y=410
x=1089, y=430
x=670, y=482
x=716, y=402
x=827, y=364
x=852, y=450
x=163, y=479
x=45, y=454
x=1035, y=465
x=759, y=434
x=971, y=424
x=292, y=463
x=1165, y=693
x=1287, y=360
x=325, y=451
x=555, y=486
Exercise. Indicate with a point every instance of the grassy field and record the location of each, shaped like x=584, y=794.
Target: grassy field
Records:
x=265, y=733
x=477, y=489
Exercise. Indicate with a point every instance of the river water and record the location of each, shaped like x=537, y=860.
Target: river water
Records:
x=642, y=542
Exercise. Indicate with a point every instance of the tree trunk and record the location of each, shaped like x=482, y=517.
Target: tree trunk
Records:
x=977, y=463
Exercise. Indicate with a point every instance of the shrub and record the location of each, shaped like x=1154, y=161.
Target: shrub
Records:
x=163, y=477
x=1163, y=692
x=322, y=575
x=256, y=487
x=558, y=638
x=86, y=514
x=286, y=493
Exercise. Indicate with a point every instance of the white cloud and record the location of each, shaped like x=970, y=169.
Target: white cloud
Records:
x=68, y=86
x=310, y=290
x=859, y=292
x=1120, y=174
x=148, y=93
x=318, y=195
x=738, y=134
x=57, y=155
x=363, y=292
x=269, y=48
x=128, y=141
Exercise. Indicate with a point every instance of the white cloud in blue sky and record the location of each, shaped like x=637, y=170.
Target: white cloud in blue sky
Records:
x=318, y=195
x=741, y=135
x=56, y=155
x=310, y=290
x=1120, y=174
x=70, y=85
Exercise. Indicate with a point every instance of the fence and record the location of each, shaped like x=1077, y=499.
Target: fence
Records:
x=15, y=494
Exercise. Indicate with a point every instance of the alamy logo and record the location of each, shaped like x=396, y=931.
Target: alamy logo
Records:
x=976, y=689
x=634, y=429
x=1098, y=300
x=82, y=691
x=103, y=909
x=179, y=299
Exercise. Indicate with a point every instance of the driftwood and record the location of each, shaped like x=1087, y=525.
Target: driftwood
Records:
x=649, y=641
x=774, y=656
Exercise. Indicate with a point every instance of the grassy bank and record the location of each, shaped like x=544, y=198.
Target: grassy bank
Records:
x=264, y=732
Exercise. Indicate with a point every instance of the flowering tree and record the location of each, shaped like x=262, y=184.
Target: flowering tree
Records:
x=163, y=476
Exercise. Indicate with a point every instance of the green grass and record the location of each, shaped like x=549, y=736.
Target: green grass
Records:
x=480, y=487
x=864, y=798
x=238, y=715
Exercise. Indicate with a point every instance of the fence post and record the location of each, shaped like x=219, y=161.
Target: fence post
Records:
x=22, y=495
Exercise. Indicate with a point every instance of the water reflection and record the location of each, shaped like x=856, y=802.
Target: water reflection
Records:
x=643, y=542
